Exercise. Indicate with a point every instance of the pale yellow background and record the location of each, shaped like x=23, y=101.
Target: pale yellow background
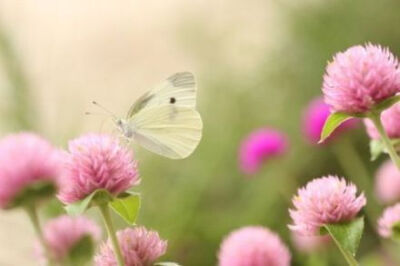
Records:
x=112, y=51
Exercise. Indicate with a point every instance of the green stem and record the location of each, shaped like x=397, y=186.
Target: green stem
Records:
x=22, y=109
x=105, y=212
x=354, y=167
x=375, y=118
x=316, y=259
x=33, y=216
x=279, y=185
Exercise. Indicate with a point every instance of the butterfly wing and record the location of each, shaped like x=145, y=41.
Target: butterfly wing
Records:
x=168, y=130
x=179, y=89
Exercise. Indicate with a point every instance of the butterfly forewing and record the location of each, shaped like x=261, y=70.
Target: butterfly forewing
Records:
x=179, y=89
x=168, y=130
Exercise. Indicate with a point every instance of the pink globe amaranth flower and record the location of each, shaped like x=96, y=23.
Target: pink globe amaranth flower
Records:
x=314, y=119
x=389, y=218
x=390, y=120
x=387, y=183
x=139, y=247
x=63, y=233
x=25, y=159
x=259, y=146
x=361, y=77
x=97, y=162
x=325, y=200
x=309, y=244
x=253, y=246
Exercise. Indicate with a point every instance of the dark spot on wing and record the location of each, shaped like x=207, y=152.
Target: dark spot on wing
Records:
x=172, y=100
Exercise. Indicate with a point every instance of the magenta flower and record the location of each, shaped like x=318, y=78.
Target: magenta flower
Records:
x=389, y=219
x=361, y=77
x=253, y=246
x=25, y=159
x=309, y=244
x=314, y=119
x=63, y=233
x=390, y=121
x=97, y=162
x=387, y=182
x=139, y=246
x=325, y=200
x=260, y=146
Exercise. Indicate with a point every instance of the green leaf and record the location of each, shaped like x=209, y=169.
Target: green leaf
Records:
x=347, y=237
x=332, y=122
x=82, y=252
x=99, y=196
x=35, y=192
x=376, y=148
x=166, y=264
x=387, y=103
x=127, y=206
x=396, y=231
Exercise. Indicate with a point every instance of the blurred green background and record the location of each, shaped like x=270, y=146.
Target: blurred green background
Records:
x=258, y=63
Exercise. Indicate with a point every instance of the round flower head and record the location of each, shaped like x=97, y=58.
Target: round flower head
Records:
x=389, y=219
x=97, y=162
x=259, y=146
x=253, y=246
x=390, y=121
x=325, y=200
x=139, y=247
x=25, y=160
x=361, y=77
x=63, y=233
x=309, y=244
x=314, y=119
x=387, y=182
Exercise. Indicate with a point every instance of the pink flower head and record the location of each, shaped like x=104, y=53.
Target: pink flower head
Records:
x=361, y=77
x=25, y=159
x=97, y=162
x=309, y=244
x=389, y=219
x=390, y=120
x=63, y=233
x=387, y=182
x=314, y=119
x=259, y=146
x=325, y=200
x=139, y=247
x=253, y=246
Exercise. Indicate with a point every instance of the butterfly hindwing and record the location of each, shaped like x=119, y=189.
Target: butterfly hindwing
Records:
x=179, y=89
x=169, y=130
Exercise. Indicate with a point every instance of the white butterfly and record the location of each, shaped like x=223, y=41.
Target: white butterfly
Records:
x=164, y=120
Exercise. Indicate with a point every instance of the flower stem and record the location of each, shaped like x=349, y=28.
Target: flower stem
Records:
x=354, y=167
x=317, y=259
x=22, y=109
x=33, y=216
x=105, y=212
x=375, y=118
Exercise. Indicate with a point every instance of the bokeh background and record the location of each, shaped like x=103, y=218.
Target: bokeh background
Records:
x=258, y=63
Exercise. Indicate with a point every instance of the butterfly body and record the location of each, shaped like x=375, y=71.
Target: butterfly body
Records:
x=165, y=120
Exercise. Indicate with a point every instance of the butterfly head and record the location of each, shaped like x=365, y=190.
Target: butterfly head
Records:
x=124, y=127
x=119, y=122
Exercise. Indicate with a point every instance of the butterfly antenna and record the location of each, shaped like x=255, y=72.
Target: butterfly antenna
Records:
x=105, y=109
x=95, y=113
